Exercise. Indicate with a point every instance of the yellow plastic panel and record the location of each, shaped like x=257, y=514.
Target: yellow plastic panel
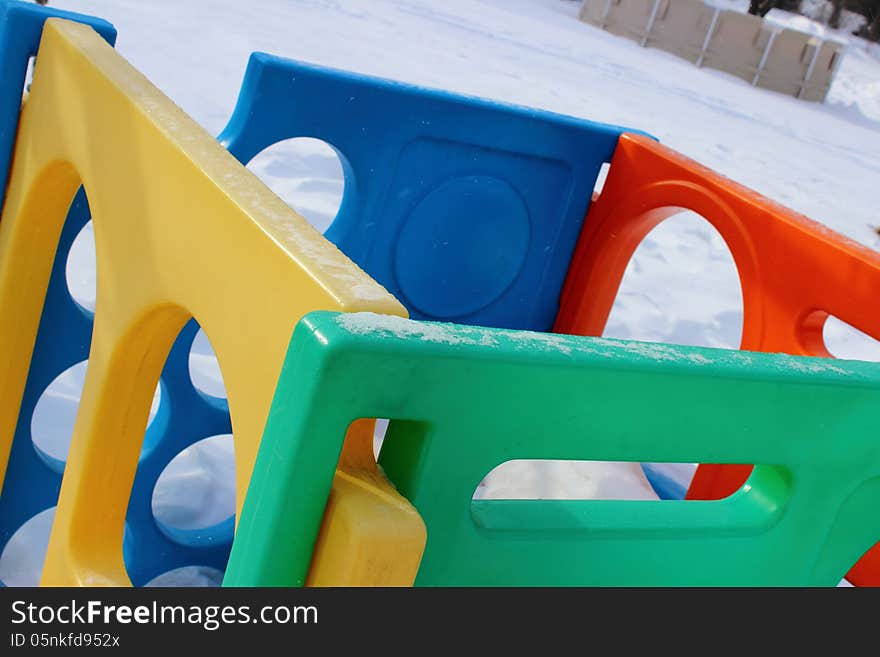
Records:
x=365, y=517
x=181, y=230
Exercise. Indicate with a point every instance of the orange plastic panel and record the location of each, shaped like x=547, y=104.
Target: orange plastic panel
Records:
x=793, y=271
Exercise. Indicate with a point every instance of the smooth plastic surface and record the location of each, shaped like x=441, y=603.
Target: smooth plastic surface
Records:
x=464, y=209
x=462, y=400
x=173, y=211
x=794, y=272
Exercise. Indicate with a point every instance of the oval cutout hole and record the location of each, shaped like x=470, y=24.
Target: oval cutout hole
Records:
x=204, y=369
x=845, y=341
x=680, y=287
x=194, y=498
x=307, y=174
x=81, y=270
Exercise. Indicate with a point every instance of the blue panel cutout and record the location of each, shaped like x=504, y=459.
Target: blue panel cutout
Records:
x=465, y=209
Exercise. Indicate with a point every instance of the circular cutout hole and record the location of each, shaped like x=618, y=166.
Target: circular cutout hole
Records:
x=21, y=563
x=194, y=498
x=191, y=576
x=307, y=174
x=81, y=270
x=55, y=415
x=204, y=369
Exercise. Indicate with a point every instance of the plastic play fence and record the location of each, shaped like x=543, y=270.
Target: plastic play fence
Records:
x=466, y=211
x=757, y=50
x=281, y=99
x=464, y=400
x=794, y=272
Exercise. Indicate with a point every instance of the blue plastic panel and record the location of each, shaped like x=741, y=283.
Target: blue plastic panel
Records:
x=465, y=209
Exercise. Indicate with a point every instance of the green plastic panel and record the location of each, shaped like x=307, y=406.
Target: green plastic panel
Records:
x=464, y=400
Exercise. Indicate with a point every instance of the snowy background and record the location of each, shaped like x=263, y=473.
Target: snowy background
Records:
x=681, y=286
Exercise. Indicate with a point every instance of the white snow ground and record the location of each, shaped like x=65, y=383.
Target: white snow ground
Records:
x=681, y=285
